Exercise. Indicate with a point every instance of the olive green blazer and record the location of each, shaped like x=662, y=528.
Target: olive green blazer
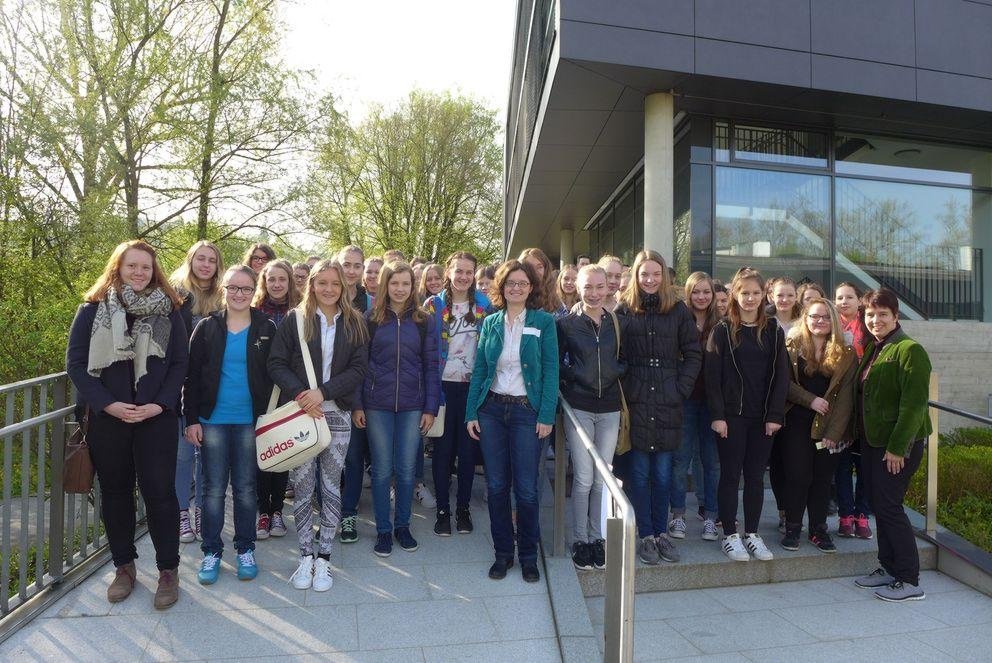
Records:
x=836, y=424
x=893, y=398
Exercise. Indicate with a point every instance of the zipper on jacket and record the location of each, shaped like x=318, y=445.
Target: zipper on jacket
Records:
x=771, y=382
x=399, y=324
x=730, y=346
x=599, y=359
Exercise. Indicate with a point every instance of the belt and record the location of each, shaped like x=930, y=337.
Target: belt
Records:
x=506, y=398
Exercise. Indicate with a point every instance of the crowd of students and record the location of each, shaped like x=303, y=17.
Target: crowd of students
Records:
x=720, y=382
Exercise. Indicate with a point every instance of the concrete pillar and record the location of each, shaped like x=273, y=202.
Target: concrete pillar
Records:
x=567, y=253
x=659, y=171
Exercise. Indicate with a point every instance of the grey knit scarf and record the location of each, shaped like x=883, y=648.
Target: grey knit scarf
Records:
x=110, y=339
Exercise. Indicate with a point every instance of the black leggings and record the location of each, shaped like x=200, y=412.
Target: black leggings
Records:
x=270, y=488
x=777, y=472
x=745, y=450
x=808, y=472
x=145, y=451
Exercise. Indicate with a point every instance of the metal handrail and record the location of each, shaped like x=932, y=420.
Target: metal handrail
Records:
x=621, y=540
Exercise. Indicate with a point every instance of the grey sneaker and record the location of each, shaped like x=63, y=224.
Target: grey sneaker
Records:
x=897, y=592
x=648, y=550
x=666, y=549
x=676, y=527
x=877, y=578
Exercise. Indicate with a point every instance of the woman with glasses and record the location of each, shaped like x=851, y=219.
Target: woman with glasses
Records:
x=817, y=417
x=227, y=388
x=510, y=409
x=258, y=256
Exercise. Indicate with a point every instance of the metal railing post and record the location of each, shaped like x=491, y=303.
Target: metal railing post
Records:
x=561, y=462
x=56, y=519
x=932, y=448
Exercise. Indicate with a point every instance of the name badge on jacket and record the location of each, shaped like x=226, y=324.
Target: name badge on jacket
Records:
x=532, y=331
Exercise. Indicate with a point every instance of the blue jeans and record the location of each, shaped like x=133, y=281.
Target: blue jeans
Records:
x=394, y=438
x=228, y=451
x=851, y=497
x=189, y=467
x=454, y=442
x=698, y=441
x=512, y=452
x=354, y=470
x=649, y=476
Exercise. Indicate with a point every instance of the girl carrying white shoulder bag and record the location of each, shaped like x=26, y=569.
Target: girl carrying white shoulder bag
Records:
x=286, y=437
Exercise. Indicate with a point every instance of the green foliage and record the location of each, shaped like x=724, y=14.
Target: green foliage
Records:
x=964, y=484
x=967, y=437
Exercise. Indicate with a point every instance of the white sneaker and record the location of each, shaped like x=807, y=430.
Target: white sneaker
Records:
x=757, y=547
x=302, y=577
x=424, y=496
x=322, y=579
x=734, y=549
x=709, y=530
x=677, y=527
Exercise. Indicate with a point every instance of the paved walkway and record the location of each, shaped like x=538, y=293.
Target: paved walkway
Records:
x=814, y=620
x=435, y=604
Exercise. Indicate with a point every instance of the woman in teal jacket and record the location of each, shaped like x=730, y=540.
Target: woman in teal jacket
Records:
x=511, y=406
x=893, y=421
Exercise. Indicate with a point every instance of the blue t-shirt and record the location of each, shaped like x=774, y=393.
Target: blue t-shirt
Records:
x=233, y=397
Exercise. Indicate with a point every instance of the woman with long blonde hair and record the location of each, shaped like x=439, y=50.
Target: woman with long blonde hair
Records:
x=660, y=344
x=400, y=398
x=568, y=294
x=817, y=419
x=198, y=282
x=747, y=379
x=336, y=338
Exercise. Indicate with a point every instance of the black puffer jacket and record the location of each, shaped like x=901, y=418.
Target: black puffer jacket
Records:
x=663, y=358
x=590, y=371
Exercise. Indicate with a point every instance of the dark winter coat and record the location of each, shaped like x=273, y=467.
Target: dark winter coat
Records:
x=590, y=371
x=286, y=368
x=404, y=372
x=206, y=357
x=663, y=358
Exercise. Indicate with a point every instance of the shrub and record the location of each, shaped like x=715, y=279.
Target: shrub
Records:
x=967, y=437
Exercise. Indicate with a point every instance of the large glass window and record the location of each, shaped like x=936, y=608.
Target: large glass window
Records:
x=778, y=223
x=924, y=242
x=895, y=158
x=796, y=147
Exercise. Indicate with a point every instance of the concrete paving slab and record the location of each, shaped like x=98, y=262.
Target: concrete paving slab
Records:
x=108, y=638
x=662, y=605
x=532, y=651
x=962, y=643
x=887, y=649
x=713, y=634
x=424, y=624
x=373, y=584
x=521, y=617
x=966, y=607
x=875, y=617
x=449, y=581
x=786, y=594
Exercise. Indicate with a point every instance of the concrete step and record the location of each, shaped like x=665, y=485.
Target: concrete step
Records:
x=704, y=565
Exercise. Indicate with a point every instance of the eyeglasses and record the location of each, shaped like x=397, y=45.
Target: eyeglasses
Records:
x=255, y=258
x=244, y=289
x=510, y=285
x=819, y=318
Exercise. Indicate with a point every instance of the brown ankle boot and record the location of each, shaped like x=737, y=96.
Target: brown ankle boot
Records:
x=123, y=583
x=168, y=588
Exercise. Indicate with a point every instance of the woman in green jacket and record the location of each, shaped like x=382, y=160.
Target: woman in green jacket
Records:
x=817, y=417
x=893, y=419
x=511, y=406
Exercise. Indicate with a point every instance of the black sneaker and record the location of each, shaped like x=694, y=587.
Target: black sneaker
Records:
x=405, y=539
x=463, y=521
x=823, y=542
x=442, y=526
x=791, y=539
x=529, y=571
x=581, y=557
x=599, y=553
x=383, y=545
x=498, y=570
x=349, y=529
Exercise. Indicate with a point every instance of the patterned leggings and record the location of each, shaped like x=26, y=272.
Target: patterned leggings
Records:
x=304, y=479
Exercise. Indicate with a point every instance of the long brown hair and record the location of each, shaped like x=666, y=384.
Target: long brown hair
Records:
x=262, y=293
x=834, y=349
x=381, y=303
x=547, y=283
x=734, y=308
x=535, y=299
x=632, y=296
x=354, y=322
x=711, y=317
x=446, y=288
x=111, y=276
x=206, y=299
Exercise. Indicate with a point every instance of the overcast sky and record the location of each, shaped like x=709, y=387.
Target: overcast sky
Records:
x=369, y=51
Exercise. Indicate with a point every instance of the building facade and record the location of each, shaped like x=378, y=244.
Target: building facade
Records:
x=826, y=140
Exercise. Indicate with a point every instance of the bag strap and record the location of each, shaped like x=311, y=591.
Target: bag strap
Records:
x=305, y=351
x=616, y=330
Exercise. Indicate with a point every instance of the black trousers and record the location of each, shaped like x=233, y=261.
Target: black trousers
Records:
x=777, y=471
x=270, y=488
x=808, y=472
x=745, y=451
x=897, y=551
x=145, y=451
